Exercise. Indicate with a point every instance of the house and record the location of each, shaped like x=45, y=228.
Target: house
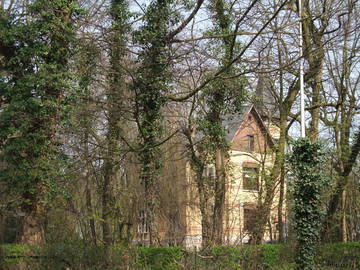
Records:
x=251, y=138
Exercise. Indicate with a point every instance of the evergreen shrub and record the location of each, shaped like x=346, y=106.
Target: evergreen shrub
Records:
x=163, y=258
x=82, y=256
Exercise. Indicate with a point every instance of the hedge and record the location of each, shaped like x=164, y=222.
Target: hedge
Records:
x=81, y=256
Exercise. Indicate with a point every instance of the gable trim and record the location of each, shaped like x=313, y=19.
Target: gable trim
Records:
x=263, y=127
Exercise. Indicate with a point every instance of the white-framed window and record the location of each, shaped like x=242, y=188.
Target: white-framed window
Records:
x=142, y=226
x=250, y=178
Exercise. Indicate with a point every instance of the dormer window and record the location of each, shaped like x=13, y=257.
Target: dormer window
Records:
x=250, y=143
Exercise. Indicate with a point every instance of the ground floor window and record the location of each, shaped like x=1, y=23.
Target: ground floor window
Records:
x=249, y=217
x=142, y=226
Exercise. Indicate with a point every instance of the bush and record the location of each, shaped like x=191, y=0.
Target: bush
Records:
x=340, y=256
x=261, y=257
x=165, y=258
x=81, y=256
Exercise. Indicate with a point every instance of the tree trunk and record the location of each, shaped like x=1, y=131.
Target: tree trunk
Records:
x=343, y=218
x=114, y=96
x=315, y=55
x=342, y=181
x=90, y=211
x=87, y=176
x=32, y=223
x=219, y=201
x=32, y=229
x=106, y=208
x=342, y=125
x=281, y=205
x=205, y=210
x=218, y=108
x=151, y=209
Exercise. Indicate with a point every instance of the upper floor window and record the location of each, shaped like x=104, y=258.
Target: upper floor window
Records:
x=250, y=143
x=250, y=178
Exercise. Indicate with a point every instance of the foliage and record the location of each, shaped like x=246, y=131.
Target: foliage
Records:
x=306, y=161
x=79, y=255
x=14, y=249
x=203, y=61
x=33, y=87
x=150, y=88
x=233, y=258
x=159, y=258
x=340, y=255
x=252, y=257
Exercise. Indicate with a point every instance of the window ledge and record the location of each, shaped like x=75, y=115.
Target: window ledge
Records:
x=250, y=190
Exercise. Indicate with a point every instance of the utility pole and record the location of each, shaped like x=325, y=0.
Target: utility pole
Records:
x=302, y=94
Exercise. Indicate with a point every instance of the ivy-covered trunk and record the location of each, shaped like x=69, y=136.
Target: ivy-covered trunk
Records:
x=36, y=80
x=306, y=161
x=151, y=87
x=218, y=93
x=86, y=65
x=115, y=94
x=217, y=152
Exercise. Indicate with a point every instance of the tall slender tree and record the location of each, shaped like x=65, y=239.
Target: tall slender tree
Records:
x=340, y=96
x=33, y=87
x=115, y=95
x=150, y=87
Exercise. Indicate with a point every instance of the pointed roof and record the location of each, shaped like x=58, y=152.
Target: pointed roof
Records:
x=235, y=124
x=266, y=99
x=232, y=122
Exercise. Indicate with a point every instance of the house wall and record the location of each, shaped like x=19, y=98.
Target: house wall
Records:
x=238, y=198
x=192, y=238
x=252, y=125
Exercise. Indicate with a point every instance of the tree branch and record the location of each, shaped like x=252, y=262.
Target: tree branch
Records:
x=186, y=22
x=226, y=67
